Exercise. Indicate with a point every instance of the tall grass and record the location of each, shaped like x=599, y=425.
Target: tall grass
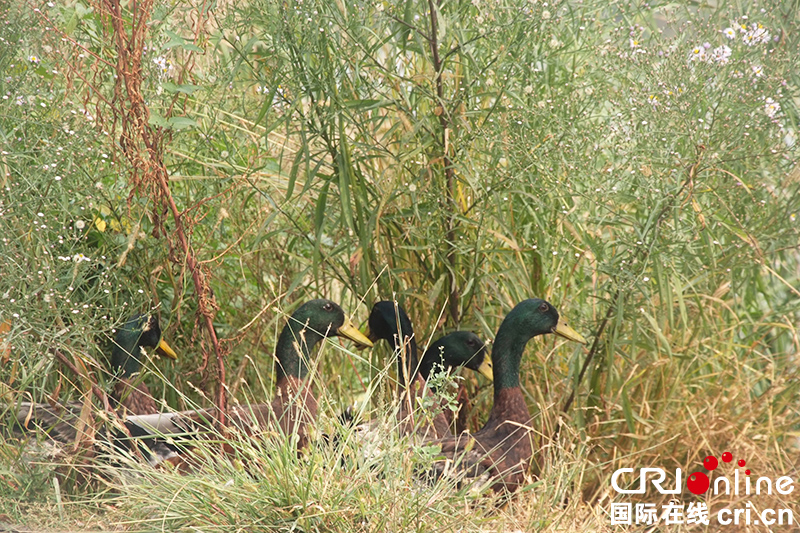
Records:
x=596, y=154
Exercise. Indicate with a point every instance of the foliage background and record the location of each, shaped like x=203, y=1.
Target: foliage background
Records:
x=593, y=153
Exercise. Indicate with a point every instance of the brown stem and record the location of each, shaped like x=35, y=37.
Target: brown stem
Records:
x=100, y=393
x=151, y=171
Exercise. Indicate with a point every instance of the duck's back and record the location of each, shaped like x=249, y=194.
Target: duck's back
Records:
x=133, y=397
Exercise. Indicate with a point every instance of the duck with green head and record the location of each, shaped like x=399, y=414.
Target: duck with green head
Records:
x=129, y=393
x=451, y=352
x=127, y=353
x=389, y=321
x=501, y=451
x=294, y=406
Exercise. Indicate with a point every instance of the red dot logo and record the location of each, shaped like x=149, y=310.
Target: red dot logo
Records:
x=727, y=457
x=747, y=472
x=742, y=462
x=710, y=462
x=697, y=483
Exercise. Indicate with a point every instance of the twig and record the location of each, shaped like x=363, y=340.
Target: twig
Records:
x=100, y=393
x=151, y=170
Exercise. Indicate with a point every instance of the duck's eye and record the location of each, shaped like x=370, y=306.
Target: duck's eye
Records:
x=544, y=308
x=471, y=343
x=328, y=307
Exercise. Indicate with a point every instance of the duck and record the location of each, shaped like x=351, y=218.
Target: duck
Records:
x=129, y=394
x=455, y=350
x=501, y=451
x=294, y=405
x=389, y=321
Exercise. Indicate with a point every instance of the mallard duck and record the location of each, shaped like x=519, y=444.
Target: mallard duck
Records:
x=453, y=351
x=130, y=392
x=294, y=406
x=131, y=395
x=501, y=451
x=389, y=321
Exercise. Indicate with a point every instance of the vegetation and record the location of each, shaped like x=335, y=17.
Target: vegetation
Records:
x=636, y=165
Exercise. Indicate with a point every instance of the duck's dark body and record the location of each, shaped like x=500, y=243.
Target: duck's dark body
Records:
x=501, y=451
x=453, y=351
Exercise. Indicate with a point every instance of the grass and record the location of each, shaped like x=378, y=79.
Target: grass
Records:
x=596, y=154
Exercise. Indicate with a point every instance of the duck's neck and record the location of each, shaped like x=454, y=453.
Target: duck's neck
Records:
x=405, y=346
x=426, y=366
x=395, y=327
x=126, y=357
x=507, y=353
x=294, y=349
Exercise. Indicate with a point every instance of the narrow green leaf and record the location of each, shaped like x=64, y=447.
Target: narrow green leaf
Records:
x=627, y=411
x=185, y=88
x=344, y=177
x=180, y=123
x=298, y=158
x=266, y=106
x=663, y=341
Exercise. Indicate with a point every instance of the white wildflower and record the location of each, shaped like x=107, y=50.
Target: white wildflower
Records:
x=771, y=107
x=760, y=33
x=729, y=33
x=164, y=66
x=698, y=54
x=721, y=54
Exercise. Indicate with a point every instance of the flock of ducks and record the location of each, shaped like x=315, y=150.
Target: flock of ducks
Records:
x=498, y=454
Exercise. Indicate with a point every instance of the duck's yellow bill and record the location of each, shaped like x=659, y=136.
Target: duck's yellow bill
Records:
x=368, y=333
x=486, y=369
x=165, y=350
x=563, y=330
x=351, y=332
